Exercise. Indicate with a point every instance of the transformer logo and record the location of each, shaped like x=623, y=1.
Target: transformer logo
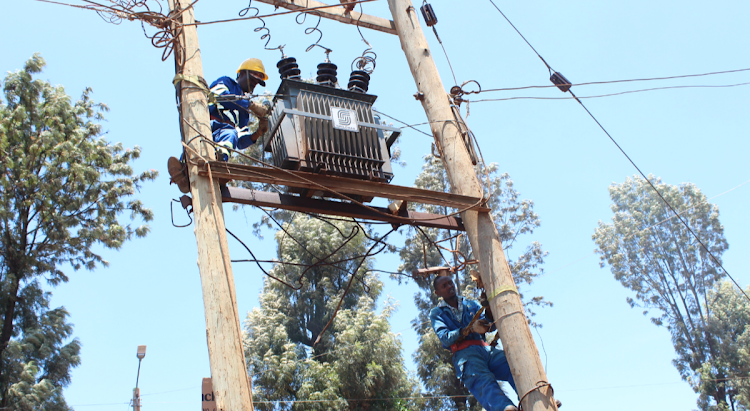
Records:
x=344, y=119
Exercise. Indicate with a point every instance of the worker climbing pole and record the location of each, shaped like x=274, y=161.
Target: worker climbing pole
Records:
x=504, y=300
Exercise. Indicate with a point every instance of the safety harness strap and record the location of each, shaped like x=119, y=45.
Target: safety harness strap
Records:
x=198, y=81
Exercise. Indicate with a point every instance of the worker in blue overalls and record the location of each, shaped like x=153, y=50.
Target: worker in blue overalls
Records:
x=477, y=365
x=236, y=122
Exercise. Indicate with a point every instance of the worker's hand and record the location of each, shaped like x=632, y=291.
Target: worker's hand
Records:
x=260, y=110
x=481, y=326
x=262, y=126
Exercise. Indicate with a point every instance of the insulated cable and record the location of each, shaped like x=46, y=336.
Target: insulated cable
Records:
x=715, y=260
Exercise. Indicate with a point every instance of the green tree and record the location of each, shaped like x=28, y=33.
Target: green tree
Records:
x=63, y=191
x=651, y=253
x=357, y=362
x=729, y=324
x=514, y=218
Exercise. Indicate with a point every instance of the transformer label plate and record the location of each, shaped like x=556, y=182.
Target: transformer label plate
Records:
x=344, y=119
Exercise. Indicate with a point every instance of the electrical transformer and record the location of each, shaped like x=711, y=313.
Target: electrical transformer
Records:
x=322, y=129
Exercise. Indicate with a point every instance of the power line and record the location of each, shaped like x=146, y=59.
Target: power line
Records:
x=425, y=397
x=411, y=126
x=612, y=81
x=716, y=261
x=524, y=38
x=606, y=95
x=650, y=227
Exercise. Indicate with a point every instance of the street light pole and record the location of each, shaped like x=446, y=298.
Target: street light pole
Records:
x=136, y=401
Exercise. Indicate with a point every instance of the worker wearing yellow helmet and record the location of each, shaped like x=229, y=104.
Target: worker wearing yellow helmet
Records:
x=237, y=120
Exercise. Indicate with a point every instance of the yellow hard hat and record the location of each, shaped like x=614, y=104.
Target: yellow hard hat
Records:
x=253, y=65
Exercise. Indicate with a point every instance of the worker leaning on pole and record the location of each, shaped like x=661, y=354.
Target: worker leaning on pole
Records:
x=236, y=121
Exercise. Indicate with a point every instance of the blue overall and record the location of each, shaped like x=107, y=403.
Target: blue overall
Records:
x=477, y=366
x=232, y=123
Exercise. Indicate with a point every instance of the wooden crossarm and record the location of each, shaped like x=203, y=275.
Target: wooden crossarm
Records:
x=301, y=179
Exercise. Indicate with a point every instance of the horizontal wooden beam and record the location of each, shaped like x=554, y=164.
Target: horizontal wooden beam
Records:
x=348, y=186
x=338, y=14
x=337, y=208
x=424, y=272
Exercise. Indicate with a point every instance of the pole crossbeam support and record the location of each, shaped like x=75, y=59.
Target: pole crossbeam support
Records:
x=337, y=208
x=338, y=14
x=301, y=179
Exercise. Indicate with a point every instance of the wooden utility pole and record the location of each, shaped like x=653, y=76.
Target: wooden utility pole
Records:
x=231, y=385
x=505, y=302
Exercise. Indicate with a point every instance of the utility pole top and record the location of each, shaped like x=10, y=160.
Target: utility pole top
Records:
x=339, y=14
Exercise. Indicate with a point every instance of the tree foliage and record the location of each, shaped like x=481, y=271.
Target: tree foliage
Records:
x=63, y=190
x=729, y=324
x=514, y=218
x=357, y=363
x=651, y=253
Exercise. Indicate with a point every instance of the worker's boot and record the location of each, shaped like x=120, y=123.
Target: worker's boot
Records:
x=178, y=174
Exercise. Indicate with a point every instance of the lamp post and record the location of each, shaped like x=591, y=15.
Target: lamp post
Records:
x=136, y=393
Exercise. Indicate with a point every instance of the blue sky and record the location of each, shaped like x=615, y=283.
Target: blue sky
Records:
x=596, y=349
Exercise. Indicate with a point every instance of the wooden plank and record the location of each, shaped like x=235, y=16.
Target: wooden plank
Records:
x=312, y=205
x=347, y=186
x=338, y=14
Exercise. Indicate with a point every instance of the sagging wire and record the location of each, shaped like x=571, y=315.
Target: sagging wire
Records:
x=321, y=261
x=267, y=35
x=258, y=262
x=187, y=204
x=613, y=81
x=564, y=85
x=609, y=94
x=169, y=29
x=354, y=275
x=312, y=29
x=431, y=20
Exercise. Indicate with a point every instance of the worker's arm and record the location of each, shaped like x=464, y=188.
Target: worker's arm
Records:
x=227, y=111
x=446, y=335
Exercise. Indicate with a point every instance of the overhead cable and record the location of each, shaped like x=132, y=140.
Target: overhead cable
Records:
x=566, y=87
x=611, y=81
x=605, y=95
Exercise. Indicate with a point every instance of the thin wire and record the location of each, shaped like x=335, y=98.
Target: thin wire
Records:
x=348, y=286
x=546, y=370
x=610, y=81
x=424, y=396
x=446, y=55
x=170, y=391
x=608, y=95
x=716, y=261
x=407, y=124
x=300, y=10
x=652, y=226
x=524, y=38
